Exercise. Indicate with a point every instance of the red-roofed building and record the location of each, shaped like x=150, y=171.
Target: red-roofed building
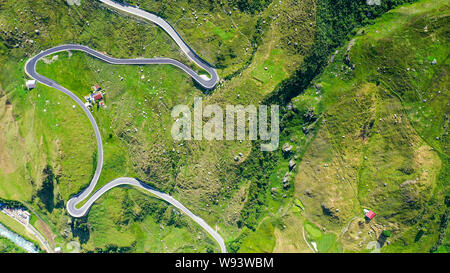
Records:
x=97, y=87
x=370, y=214
x=98, y=96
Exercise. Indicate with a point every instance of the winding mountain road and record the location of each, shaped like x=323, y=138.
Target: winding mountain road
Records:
x=203, y=80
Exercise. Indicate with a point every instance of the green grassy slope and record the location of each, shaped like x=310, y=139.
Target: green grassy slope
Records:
x=136, y=121
x=376, y=136
x=59, y=139
x=256, y=53
x=195, y=172
x=127, y=220
x=267, y=195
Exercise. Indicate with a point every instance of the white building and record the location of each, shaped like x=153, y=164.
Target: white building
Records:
x=31, y=84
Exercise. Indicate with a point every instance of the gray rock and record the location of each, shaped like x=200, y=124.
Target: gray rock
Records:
x=286, y=179
x=292, y=164
x=332, y=58
x=305, y=130
x=286, y=148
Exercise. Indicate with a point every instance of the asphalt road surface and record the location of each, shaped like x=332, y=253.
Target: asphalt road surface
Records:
x=204, y=81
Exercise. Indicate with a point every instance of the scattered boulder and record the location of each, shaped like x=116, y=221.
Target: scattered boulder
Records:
x=287, y=147
x=73, y=2
x=292, y=164
x=310, y=115
x=332, y=58
x=318, y=87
